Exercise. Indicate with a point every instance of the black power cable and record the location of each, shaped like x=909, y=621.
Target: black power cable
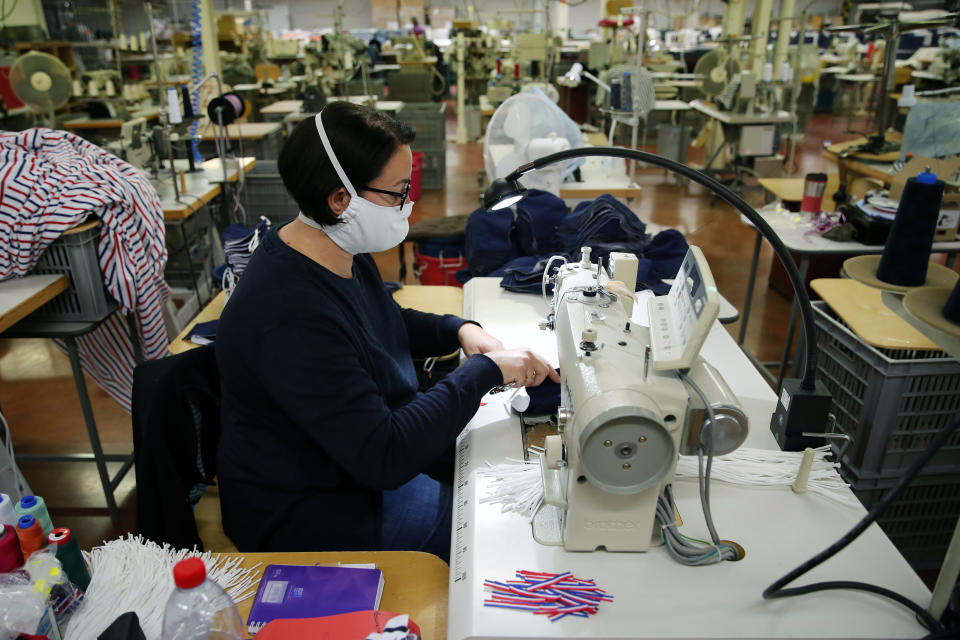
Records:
x=777, y=590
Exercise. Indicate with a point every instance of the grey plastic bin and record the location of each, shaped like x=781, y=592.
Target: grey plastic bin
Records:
x=266, y=195
x=75, y=254
x=892, y=402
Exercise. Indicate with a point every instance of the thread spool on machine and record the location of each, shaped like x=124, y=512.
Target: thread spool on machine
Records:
x=930, y=292
x=226, y=109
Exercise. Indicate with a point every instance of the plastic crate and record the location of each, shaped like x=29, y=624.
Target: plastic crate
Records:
x=374, y=87
x=430, y=121
x=75, y=254
x=434, y=170
x=266, y=195
x=411, y=86
x=920, y=522
x=892, y=402
x=673, y=141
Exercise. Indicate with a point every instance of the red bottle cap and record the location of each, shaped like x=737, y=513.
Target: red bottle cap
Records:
x=189, y=573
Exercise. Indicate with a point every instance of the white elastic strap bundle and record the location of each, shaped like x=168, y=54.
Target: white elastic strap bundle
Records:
x=515, y=485
x=767, y=468
x=130, y=574
x=333, y=158
x=229, y=281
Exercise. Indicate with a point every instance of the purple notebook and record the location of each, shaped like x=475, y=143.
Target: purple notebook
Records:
x=311, y=591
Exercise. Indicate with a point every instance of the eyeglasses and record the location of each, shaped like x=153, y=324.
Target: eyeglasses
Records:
x=396, y=194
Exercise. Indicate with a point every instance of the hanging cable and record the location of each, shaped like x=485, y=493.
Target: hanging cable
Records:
x=778, y=589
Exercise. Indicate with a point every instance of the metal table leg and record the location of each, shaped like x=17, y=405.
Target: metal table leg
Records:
x=791, y=327
x=193, y=272
x=92, y=428
x=750, y=283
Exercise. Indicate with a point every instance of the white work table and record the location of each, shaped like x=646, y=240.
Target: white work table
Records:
x=282, y=107
x=655, y=597
x=388, y=106
x=19, y=297
x=729, y=117
x=196, y=189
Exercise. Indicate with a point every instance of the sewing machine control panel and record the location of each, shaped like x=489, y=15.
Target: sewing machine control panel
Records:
x=681, y=320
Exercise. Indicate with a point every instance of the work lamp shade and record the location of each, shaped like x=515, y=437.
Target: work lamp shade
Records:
x=503, y=193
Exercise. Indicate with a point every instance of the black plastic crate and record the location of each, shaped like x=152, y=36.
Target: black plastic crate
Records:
x=266, y=196
x=75, y=254
x=891, y=402
x=434, y=170
x=920, y=522
x=430, y=121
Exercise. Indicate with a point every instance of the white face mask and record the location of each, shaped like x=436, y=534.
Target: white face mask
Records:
x=366, y=227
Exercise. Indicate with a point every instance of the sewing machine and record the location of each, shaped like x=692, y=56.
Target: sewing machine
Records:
x=625, y=412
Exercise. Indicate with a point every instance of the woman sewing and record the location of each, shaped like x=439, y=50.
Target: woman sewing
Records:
x=325, y=440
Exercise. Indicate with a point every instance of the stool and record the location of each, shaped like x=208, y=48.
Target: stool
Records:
x=447, y=227
x=69, y=332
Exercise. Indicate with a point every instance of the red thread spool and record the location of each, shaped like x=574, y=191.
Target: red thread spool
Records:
x=31, y=535
x=11, y=557
x=516, y=70
x=499, y=66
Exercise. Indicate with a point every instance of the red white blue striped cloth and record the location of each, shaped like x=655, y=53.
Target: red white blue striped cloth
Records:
x=51, y=181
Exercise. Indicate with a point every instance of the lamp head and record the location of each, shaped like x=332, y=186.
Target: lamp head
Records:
x=572, y=77
x=502, y=193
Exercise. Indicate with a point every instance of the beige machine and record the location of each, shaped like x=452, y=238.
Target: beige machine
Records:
x=626, y=410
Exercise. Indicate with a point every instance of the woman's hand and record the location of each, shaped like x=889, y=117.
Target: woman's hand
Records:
x=523, y=367
x=474, y=339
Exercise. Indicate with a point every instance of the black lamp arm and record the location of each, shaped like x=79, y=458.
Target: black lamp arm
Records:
x=808, y=378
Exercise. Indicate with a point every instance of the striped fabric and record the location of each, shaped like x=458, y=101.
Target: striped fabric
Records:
x=51, y=181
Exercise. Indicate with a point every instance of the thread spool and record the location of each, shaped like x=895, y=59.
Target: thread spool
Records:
x=187, y=104
x=768, y=72
x=123, y=41
x=30, y=534
x=231, y=107
x=786, y=72
x=951, y=310
x=92, y=88
x=8, y=514
x=908, y=97
x=11, y=556
x=516, y=70
x=111, y=90
x=814, y=185
x=36, y=507
x=173, y=106
x=70, y=556
x=499, y=66
x=77, y=89
x=907, y=251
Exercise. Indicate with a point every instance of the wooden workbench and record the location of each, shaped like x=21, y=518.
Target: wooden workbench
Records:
x=201, y=187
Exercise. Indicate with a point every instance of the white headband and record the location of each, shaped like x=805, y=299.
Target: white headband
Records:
x=333, y=157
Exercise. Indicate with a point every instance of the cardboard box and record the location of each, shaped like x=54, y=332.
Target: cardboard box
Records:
x=949, y=219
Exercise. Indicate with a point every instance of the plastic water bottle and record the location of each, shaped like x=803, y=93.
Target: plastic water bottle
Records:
x=199, y=608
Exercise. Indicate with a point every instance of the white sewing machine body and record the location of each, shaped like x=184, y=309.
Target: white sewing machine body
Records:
x=777, y=527
x=623, y=422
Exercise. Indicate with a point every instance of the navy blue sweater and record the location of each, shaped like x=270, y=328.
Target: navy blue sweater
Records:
x=320, y=409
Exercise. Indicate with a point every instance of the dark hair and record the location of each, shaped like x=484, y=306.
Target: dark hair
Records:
x=363, y=140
